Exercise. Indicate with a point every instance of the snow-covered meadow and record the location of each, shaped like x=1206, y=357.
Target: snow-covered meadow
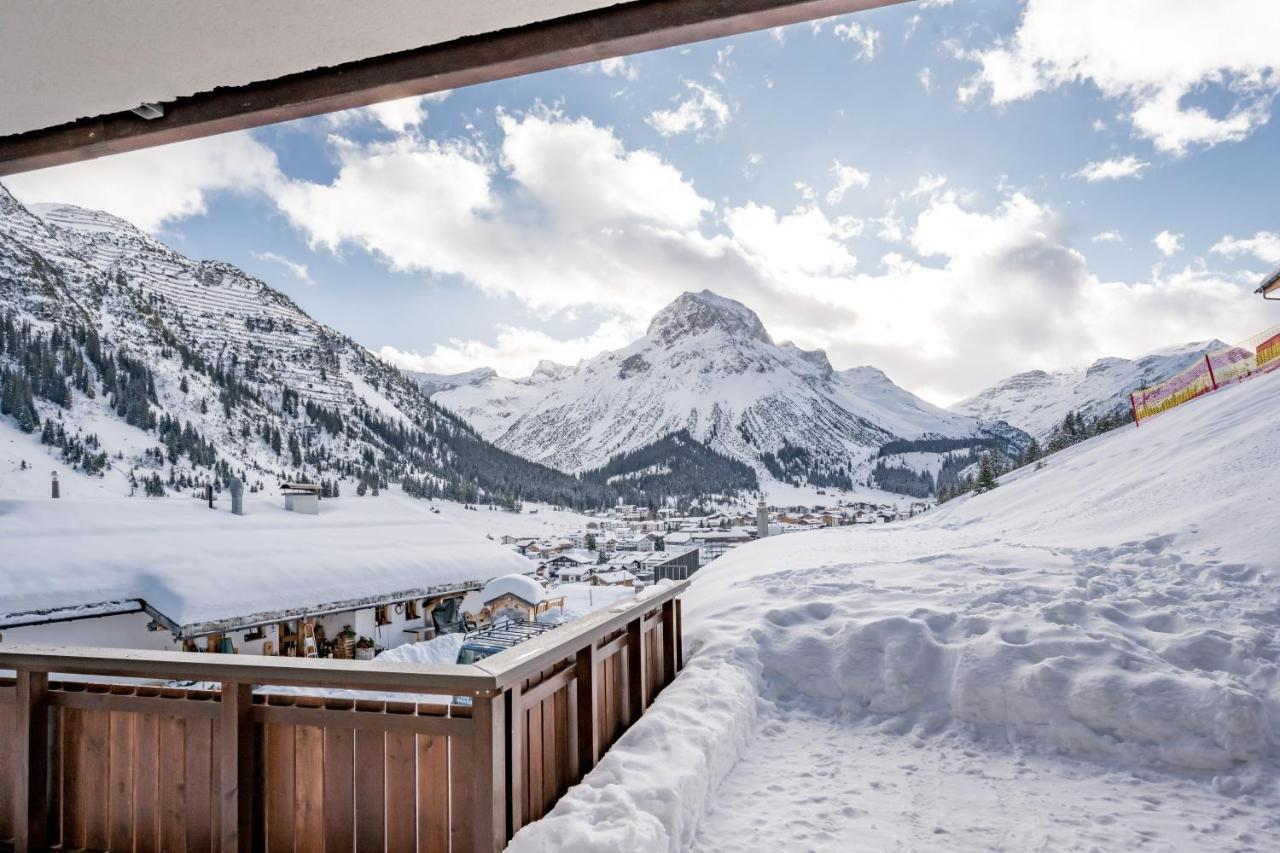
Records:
x=1083, y=659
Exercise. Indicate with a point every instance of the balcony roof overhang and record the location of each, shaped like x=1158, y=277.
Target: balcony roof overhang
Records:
x=90, y=80
x=1270, y=287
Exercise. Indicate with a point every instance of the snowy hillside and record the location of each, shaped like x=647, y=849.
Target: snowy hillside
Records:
x=1036, y=401
x=1083, y=658
x=706, y=365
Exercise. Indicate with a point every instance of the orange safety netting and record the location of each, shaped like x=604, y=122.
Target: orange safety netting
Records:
x=1258, y=354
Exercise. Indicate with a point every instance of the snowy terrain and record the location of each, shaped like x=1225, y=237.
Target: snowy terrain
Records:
x=708, y=365
x=1037, y=400
x=1082, y=659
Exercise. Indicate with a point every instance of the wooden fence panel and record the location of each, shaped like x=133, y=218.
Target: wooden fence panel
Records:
x=140, y=768
x=8, y=749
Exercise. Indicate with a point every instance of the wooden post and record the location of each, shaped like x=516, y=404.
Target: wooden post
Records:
x=515, y=766
x=668, y=642
x=1209, y=364
x=31, y=788
x=1133, y=405
x=488, y=743
x=679, y=635
x=636, y=664
x=236, y=764
x=588, y=705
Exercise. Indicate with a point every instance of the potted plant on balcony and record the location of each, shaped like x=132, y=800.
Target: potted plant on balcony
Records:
x=364, y=649
x=344, y=645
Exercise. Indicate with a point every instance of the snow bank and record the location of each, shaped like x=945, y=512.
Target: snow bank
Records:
x=1117, y=607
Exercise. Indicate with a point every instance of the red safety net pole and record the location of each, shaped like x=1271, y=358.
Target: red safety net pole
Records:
x=1209, y=363
x=1134, y=406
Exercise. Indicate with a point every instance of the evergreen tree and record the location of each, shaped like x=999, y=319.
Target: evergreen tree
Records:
x=986, y=473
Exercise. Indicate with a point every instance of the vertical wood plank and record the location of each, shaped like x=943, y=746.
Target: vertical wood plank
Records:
x=8, y=767
x=146, y=783
x=339, y=790
x=679, y=635
x=517, y=749
x=94, y=764
x=73, y=826
x=564, y=737
x=668, y=641
x=549, y=751
x=402, y=798
x=198, y=759
x=236, y=768
x=31, y=797
x=279, y=794
x=489, y=739
x=461, y=802
x=433, y=794
x=173, y=785
x=120, y=780
x=533, y=772
x=586, y=699
x=370, y=790
x=635, y=670
x=309, y=788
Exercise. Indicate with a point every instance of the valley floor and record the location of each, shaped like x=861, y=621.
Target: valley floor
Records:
x=1083, y=659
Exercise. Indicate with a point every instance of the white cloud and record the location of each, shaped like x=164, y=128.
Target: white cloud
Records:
x=1168, y=243
x=864, y=39
x=615, y=66
x=1265, y=246
x=1112, y=169
x=1108, y=237
x=563, y=216
x=845, y=178
x=925, y=76
x=397, y=116
x=157, y=185
x=926, y=184
x=515, y=352
x=1099, y=125
x=299, y=271
x=1150, y=54
x=703, y=110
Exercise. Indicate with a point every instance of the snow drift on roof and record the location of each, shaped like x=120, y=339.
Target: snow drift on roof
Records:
x=522, y=587
x=198, y=565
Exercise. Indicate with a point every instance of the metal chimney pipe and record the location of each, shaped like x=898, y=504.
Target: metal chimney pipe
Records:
x=237, y=496
x=55, y=486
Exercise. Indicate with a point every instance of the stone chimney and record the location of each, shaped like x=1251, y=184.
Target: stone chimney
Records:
x=237, y=496
x=762, y=520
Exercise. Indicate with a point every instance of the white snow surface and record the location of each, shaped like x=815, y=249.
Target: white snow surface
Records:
x=518, y=585
x=1082, y=659
x=196, y=565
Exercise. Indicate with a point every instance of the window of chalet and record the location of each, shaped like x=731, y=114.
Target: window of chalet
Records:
x=380, y=615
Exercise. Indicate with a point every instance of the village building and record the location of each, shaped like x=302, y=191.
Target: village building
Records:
x=362, y=574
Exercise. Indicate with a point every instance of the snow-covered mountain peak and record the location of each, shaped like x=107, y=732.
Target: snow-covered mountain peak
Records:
x=84, y=220
x=694, y=313
x=816, y=357
x=548, y=369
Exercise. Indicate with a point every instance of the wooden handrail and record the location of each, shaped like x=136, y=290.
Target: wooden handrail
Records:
x=531, y=656
x=248, y=669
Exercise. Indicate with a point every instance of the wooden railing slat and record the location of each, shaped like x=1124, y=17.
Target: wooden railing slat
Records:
x=339, y=790
x=370, y=790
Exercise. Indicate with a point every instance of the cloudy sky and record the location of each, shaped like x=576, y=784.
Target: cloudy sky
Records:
x=953, y=191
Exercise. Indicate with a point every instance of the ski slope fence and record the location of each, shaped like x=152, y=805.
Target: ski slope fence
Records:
x=1256, y=355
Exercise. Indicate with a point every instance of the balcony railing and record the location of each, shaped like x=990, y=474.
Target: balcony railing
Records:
x=106, y=765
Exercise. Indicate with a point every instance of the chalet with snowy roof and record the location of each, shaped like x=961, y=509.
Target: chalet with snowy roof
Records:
x=616, y=577
x=174, y=574
x=514, y=596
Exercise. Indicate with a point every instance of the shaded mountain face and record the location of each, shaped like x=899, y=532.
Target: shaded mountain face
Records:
x=157, y=365
x=1037, y=400
x=706, y=366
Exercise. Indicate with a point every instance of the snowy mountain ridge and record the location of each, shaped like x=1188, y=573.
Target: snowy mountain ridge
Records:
x=1037, y=400
x=707, y=365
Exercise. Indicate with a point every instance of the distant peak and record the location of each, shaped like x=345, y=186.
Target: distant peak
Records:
x=816, y=357
x=553, y=370
x=695, y=313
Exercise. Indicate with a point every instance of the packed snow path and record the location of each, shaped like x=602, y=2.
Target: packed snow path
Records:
x=1083, y=659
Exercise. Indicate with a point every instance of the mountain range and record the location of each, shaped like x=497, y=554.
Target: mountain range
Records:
x=130, y=357
x=135, y=361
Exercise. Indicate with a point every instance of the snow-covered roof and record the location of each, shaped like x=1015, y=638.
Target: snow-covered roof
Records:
x=521, y=586
x=618, y=576
x=197, y=566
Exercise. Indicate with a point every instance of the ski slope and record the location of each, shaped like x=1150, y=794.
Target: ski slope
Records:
x=1083, y=659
